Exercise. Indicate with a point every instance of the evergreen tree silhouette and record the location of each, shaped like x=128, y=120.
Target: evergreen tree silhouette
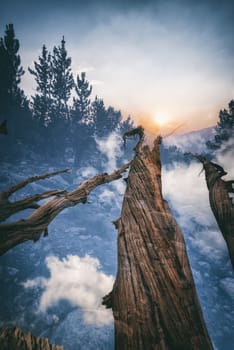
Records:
x=81, y=103
x=42, y=102
x=99, y=114
x=11, y=71
x=62, y=80
x=82, y=121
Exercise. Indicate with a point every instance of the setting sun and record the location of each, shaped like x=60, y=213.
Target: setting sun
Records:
x=160, y=119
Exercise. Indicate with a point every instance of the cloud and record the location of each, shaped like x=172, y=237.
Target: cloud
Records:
x=208, y=242
x=107, y=196
x=96, y=82
x=187, y=191
x=227, y=285
x=194, y=141
x=110, y=147
x=225, y=156
x=87, y=172
x=188, y=195
x=38, y=281
x=79, y=281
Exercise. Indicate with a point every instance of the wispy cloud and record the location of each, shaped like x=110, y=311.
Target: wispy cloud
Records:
x=96, y=82
x=79, y=281
x=111, y=147
x=87, y=172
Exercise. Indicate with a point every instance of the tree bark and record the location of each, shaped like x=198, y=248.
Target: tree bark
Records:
x=154, y=301
x=15, y=339
x=8, y=208
x=15, y=233
x=220, y=201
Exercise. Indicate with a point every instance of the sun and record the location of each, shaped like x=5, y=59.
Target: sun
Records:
x=160, y=119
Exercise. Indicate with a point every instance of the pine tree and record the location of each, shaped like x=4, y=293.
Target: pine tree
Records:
x=82, y=121
x=62, y=82
x=11, y=70
x=82, y=104
x=99, y=114
x=42, y=104
x=225, y=127
x=113, y=119
x=126, y=125
x=108, y=120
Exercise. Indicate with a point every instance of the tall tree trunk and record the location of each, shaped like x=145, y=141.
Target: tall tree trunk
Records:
x=220, y=201
x=154, y=301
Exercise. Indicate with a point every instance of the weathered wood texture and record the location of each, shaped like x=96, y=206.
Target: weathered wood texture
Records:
x=12, y=234
x=15, y=339
x=220, y=201
x=154, y=301
x=8, y=208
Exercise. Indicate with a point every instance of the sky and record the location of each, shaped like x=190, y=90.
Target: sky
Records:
x=58, y=294
x=165, y=62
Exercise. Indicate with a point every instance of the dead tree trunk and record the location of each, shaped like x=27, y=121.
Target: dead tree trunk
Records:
x=154, y=301
x=12, y=234
x=220, y=201
x=15, y=339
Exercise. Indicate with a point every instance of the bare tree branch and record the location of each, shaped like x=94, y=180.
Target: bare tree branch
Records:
x=31, y=228
x=8, y=208
x=10, y=190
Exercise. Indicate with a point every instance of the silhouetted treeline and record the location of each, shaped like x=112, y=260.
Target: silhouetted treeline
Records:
x=52, y=122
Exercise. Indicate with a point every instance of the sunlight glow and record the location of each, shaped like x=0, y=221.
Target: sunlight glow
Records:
x=161, y=119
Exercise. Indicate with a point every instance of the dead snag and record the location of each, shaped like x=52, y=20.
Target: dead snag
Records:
x=220, y=201
x=154, y=301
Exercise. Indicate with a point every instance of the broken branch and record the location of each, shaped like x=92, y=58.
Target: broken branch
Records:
x=10, y=190
x=32, y=227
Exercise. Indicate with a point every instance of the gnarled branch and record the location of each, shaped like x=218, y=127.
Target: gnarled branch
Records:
x=8, y=208
x=12, y=189
x=137, y=131
x=31, y=228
